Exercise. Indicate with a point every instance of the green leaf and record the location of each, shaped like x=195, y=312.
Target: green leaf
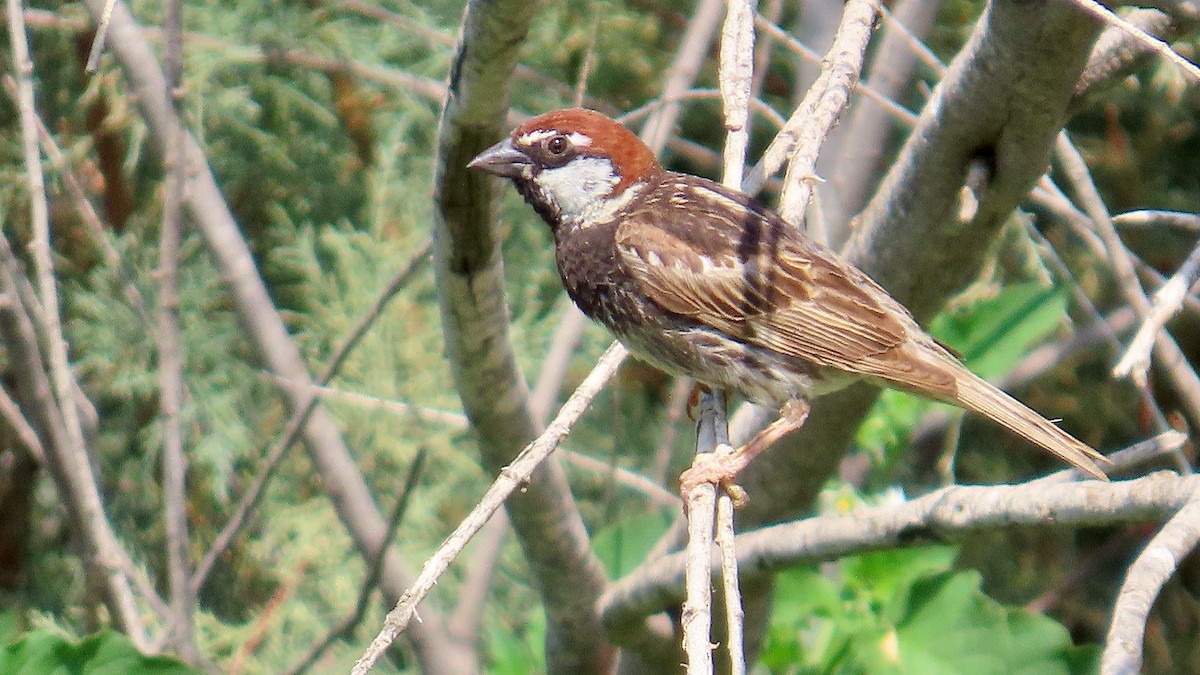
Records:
x=624, y=544
x=10, y=626
x=993, y=334
x=952, y=627
x=889, y=575
x=49, y=652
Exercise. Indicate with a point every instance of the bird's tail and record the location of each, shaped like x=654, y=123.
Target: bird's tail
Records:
x=978, y=396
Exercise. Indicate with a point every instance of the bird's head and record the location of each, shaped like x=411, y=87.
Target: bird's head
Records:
x=573, y=166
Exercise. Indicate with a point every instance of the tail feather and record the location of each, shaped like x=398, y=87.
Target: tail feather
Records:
x=978, y=396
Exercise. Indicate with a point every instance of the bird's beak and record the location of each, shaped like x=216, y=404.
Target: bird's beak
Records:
x=503, y=160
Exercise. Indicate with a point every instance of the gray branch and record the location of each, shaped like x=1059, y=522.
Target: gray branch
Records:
x=945, y=514
x=470, y=280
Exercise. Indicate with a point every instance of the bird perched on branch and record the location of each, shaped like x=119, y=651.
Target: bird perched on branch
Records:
x=699, y=280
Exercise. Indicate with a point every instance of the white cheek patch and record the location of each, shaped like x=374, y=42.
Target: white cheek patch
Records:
x=580, y=189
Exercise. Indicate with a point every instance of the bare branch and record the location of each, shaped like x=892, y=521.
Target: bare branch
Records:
x=683, y=71
x=943, y=514
x=821, y=107
x=253, y=494
x=1175, y=219
x=867, y=129
x=182, y=626
x=346, y=627
x=1183, y=377
x=734, y=613
x=1143, y=582
x=77, y=485
x=264, y=327
x=1167, y=302
x=68, y=461
x=513, y=477
x=1151, y=42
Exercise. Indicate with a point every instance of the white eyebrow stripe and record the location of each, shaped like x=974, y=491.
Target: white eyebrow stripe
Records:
x=535, y=136
x=577, y=139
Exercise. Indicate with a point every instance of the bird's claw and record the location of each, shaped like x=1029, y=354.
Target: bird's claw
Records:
x=719, y=468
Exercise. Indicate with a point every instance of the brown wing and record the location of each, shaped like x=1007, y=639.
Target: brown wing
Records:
x=709, y=254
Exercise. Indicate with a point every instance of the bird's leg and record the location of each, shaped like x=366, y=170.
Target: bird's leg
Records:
x=723, y=468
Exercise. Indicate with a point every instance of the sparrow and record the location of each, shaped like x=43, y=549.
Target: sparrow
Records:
x=699, y=280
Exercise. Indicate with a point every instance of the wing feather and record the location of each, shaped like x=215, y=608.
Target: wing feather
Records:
x=701, y=251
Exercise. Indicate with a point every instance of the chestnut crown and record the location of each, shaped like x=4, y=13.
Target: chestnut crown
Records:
x=571, y=164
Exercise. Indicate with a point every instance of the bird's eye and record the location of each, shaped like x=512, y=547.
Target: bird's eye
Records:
x=557, y=145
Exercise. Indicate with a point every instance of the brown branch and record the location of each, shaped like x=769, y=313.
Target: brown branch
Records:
x=68, y=461
x=182, y=626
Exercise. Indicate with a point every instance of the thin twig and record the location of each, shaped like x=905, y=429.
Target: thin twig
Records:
x=1166, y=443
x=706, y=500
x=1189, y=222
x=16, y=419
x=757, y=106
x=93, y=62
x=1172, y=359
x=182, y=625
x=344, y=629
x=915, y=43
x=69, y=463
x=555, y=364
x=820, y=109
x=734, y=613
x=1167, y=302
x=511, y=478
x=941, y=515
x=700, y=501
x=278, y=451
x=362, y=401
x=677, y=405
x=463, y=622
x=1143, y=582
x=71, y=452
x=682, y=72
x=1158, y=46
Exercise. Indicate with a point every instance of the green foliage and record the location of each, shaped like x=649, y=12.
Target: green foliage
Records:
x=50, y=652
x=907, y=611
x=520, y=649
x=623, y=545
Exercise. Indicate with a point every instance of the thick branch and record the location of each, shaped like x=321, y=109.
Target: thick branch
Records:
x=944, y=514
x=471, y=296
